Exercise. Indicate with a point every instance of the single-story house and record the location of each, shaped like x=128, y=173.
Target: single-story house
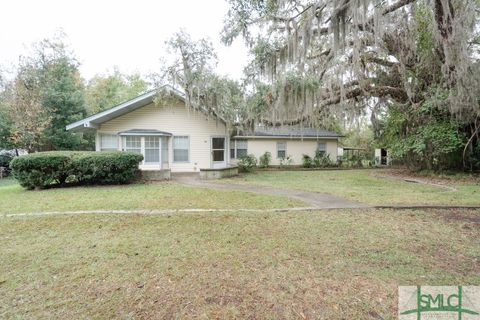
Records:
x=285, y=143
x=180, y=139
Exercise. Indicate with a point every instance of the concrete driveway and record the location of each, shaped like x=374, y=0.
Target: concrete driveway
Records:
x=314, y=199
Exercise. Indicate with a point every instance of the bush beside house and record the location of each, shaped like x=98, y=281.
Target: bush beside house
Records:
x=247, y=163
x=265, y=160
x=45, y=169
x=320, y=160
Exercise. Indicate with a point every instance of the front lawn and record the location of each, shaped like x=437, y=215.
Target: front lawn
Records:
x=305, y=265
x=368, y=186
x=164, y=195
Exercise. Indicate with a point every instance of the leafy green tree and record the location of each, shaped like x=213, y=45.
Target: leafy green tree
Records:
x=46, y=94
x=105, y=91
x=62, y=96
x=24, y=116
x=329, y=60
x=433, y=141
x=5, y=120
x=6, y=128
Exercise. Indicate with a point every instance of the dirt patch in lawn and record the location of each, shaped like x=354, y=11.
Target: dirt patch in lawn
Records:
x=442, y=180
x=460, y=215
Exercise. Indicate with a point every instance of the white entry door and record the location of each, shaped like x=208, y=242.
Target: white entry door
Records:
x=219, y=152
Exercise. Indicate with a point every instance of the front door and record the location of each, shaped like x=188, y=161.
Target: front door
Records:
x=218, y=152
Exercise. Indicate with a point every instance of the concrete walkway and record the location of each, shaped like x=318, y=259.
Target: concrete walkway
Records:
x=313, y=199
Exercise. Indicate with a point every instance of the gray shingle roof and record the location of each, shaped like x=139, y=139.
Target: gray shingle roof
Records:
x=290, y=132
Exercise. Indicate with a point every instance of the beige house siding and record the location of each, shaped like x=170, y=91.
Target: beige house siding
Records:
x=178, y=120
x=295, y=148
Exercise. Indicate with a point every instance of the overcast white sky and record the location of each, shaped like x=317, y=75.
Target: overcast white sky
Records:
x=107, y=33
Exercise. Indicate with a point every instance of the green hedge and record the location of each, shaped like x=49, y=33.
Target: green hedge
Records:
x=44, y=169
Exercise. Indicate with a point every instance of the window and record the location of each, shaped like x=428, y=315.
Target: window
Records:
x=181, y=148
x=218, y=149
x=108, y=142
x=281, y=150
x=152, y=149
x=242, y=147
x=238, y=148
x=133, y=144
x=321, y=148
x=165, y=152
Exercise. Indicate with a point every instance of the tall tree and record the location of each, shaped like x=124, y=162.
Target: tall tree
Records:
x=24, y=118
x=46, y=94
x=105, y=91
x=6, y=124
x=193, y=72
x=347, y=58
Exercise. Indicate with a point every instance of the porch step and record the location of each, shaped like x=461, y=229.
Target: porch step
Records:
x=155, y=175
x=185, y=175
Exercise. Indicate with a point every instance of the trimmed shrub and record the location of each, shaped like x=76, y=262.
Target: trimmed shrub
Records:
x=44, y=169
x=247, y=163
x=114, y=167
x=39, y=170
x=265, y=159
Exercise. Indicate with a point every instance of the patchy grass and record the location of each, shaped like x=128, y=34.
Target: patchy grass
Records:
x=367, y=186
x=7, y=182
x=14, y=199
x=317, y=265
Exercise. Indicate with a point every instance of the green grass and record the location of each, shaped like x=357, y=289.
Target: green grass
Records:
x=363, y=186
x=327, y=264
x=7, y=182
x=14, y=199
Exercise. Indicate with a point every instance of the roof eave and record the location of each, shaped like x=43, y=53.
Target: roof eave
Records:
x=93, y=121
x=286, y=137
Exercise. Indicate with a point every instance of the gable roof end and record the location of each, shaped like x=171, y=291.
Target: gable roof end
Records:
x=93, y=121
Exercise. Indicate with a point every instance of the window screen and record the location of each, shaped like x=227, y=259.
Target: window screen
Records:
x=281, y=150
x=108, y=142
x=218, y=149
x=321, y=148
x=133, y=144
x=165, y=152
x=181, y=148
x=242, y=148
x=152, y=149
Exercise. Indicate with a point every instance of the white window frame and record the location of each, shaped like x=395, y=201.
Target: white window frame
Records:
x=142, y=149
x=278, y=149
x=144, y=138
x=212, y=149
x=111, y=135
x=173, y=148
x=234, y=146
x=124, y=144
x=324, y=150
